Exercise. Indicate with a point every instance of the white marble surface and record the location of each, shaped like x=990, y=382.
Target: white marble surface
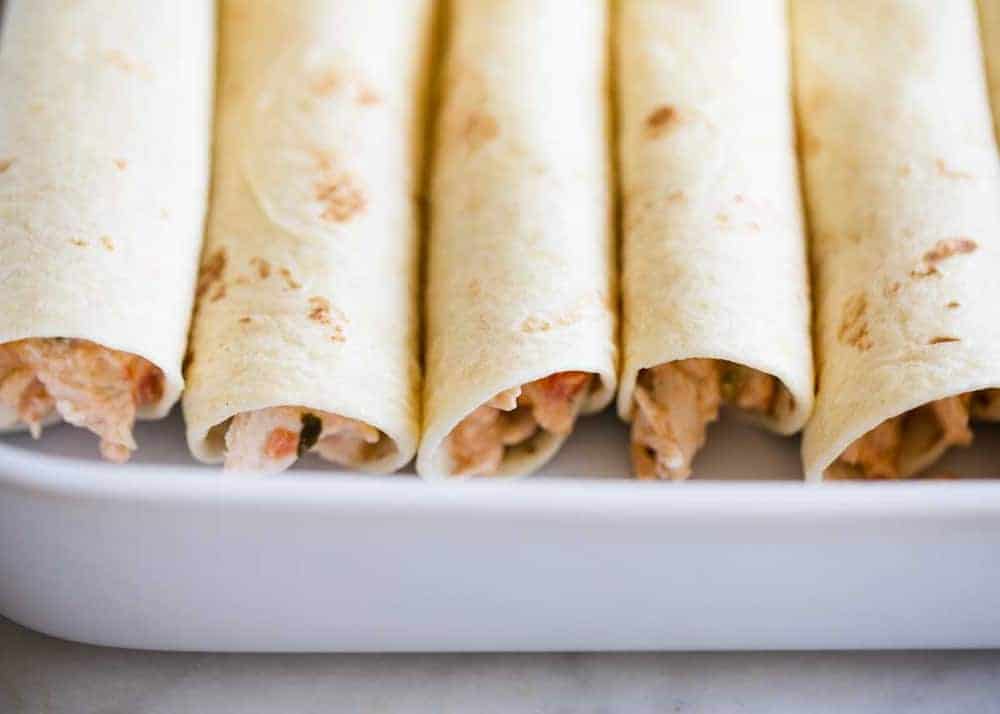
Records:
x=46, y=676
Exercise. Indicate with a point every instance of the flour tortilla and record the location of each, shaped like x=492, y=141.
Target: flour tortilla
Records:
x=714, y=246
x=520, y=282
x=310, y=265
x=104, y=160
x=899, y=155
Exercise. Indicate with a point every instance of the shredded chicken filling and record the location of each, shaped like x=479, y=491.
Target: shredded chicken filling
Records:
x=675, y=402
x=270, y=440
x=513, y=418
x=877, y=453
x=89, y=386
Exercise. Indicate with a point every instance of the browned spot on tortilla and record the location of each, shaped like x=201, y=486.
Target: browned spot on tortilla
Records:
x=942, y=340
x=367, y=97
x=480, y=129
x=289, y=280
x=535, y=324
x=188, y=359
x=263, y=267
x=341, y=197
x=947, y=248
x=475, y=288
x=942, y=250
x=220, y=292
x=944, y=170
x=893, y=288
x=211, y=271
x=570, y=315
x=854, y=330
x=241, y=280
x=676, y=196
x=5, y=164
x=109, y=245
x=661, y=121
x=245, y=320
x=326, y=84
x=905, y=170
x=319, y=310
x=722, y=218
x=79, y=242
x=121, y=164
x=954, y=305
x=926, y=271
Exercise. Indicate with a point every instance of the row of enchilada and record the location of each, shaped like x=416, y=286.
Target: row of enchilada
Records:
x=414, y=245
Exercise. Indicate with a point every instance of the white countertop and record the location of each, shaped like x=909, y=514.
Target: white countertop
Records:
x=40, y=674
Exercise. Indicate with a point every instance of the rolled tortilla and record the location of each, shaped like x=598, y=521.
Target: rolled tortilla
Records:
x=715, y=284
x=306, y=331
x=903, y=187
x=520, y=296
x=104, y=152
x=989, y=15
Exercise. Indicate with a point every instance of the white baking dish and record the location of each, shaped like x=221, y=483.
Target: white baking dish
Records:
x=168, y=555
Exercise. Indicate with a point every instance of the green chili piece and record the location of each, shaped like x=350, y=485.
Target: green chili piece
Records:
x=312, y=426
